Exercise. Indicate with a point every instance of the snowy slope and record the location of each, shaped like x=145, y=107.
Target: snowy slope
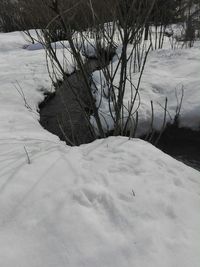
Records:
x=167, y=73
x=115, y=202
x=111, y=203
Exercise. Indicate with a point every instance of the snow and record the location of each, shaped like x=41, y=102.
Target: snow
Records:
x=168, y=74
x=11, y=41
x=115, y=202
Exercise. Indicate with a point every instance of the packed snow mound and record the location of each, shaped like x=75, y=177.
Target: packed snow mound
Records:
x=115, y=202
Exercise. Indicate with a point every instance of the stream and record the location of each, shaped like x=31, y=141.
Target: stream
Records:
x=183, y=144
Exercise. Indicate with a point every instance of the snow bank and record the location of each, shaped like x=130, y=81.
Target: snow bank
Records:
x=86, y=45
x=11, y=41
x=115, y=202
x=166, y=74
x=54, y=45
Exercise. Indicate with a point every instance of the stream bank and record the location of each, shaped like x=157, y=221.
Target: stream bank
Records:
x=61, y=114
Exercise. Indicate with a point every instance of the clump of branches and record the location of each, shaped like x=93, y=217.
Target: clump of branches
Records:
x=125, y=31
x=122, y=28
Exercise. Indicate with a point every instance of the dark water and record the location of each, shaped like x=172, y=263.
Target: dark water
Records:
x=189, y=155
x=182, y=144
x=62, y=114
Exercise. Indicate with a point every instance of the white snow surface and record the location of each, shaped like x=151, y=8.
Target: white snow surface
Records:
x=115, y=202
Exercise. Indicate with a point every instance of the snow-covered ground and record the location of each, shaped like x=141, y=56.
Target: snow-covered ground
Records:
x=115, y=202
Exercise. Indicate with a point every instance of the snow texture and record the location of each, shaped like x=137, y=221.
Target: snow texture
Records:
x=115, y=202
